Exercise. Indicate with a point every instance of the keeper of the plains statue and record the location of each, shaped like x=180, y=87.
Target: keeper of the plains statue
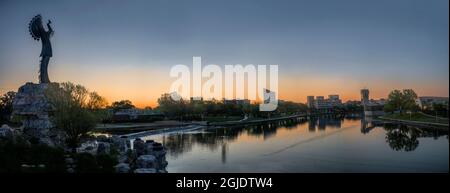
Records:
x=38, y=32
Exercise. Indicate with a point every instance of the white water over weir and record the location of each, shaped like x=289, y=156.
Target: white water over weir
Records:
x=165, y=130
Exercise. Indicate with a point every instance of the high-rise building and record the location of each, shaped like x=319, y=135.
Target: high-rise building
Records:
x=371, y=107
x=334, y=100
x=321, y=103
x=364, y=96
x=310, y=101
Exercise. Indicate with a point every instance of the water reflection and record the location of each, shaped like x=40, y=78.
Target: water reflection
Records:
x=402, y=137
x=215, y=138
x=224, y=152
x=399, y=137
x=293, y=136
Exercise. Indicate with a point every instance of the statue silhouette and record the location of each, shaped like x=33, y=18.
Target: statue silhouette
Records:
x=38, y=32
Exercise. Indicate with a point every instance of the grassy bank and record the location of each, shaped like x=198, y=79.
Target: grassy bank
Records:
x=222, y=118
x=416, y=117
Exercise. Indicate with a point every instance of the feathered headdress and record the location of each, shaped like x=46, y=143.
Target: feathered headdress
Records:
x=34, y=28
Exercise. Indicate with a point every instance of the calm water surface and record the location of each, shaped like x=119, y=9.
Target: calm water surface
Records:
x=323, y=144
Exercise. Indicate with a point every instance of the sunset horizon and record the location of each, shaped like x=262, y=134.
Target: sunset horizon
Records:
x=225, y=95
x=317, y=54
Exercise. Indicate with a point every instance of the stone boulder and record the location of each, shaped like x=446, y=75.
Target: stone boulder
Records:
x=146, y=161
x=149, y=146
x=120, y=143
x=6, y=132
x=103, y=138
x=88, y=147
x=34, y=110
x=103, y=148
x=160, y=153
x=32, y=104
x=139, y=146
x=122, y=168
x=145, y=171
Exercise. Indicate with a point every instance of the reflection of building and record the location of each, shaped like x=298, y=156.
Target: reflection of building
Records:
x=367, y=125
x=224, y=152
x=371, y=107
x=321, y=103
x=426, y=102
x=322, y=123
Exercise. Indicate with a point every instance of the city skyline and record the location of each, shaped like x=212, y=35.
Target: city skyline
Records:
x=321, y=48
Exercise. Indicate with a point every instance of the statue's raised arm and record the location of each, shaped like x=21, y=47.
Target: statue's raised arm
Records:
x=38, y=32
x=50, y=29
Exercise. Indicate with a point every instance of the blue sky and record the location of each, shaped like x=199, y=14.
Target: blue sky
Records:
x=396, y=43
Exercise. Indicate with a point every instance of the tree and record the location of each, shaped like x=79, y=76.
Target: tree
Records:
x=409, y=100
x=394, y=101
x=123, y=104
x=198, y=108
x=401, y=101
x=170, y=107
x=96, y=101
x=440, y=109
x=6, y=105
x=71, y=111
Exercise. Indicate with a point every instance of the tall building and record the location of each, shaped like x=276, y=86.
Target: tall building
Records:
x=371, y=107
x=321, y=103
x=334, y=100
x=364, y=96
x=310, y=101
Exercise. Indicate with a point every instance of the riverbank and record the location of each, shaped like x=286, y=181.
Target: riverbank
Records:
x=139, y=127
x=171, y=125
x=256, y=121
x=417, y=119
x=160, y=131
x=313, y=143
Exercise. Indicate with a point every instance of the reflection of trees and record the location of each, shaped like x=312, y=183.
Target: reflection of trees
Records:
x=177, y=144
x=399, y=137
x=403, y=137
x=218, y=137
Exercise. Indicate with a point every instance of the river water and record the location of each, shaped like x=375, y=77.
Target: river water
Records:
x=323, y=144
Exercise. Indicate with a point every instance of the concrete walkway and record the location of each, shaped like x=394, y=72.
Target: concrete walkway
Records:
x=417, y=123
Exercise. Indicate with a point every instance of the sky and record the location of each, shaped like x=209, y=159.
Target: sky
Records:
x=125, y=49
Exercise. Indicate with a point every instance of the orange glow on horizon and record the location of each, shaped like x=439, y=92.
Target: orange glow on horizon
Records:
x=144, y=85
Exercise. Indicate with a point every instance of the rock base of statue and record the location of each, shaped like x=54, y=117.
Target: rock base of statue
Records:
x=34, y=110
